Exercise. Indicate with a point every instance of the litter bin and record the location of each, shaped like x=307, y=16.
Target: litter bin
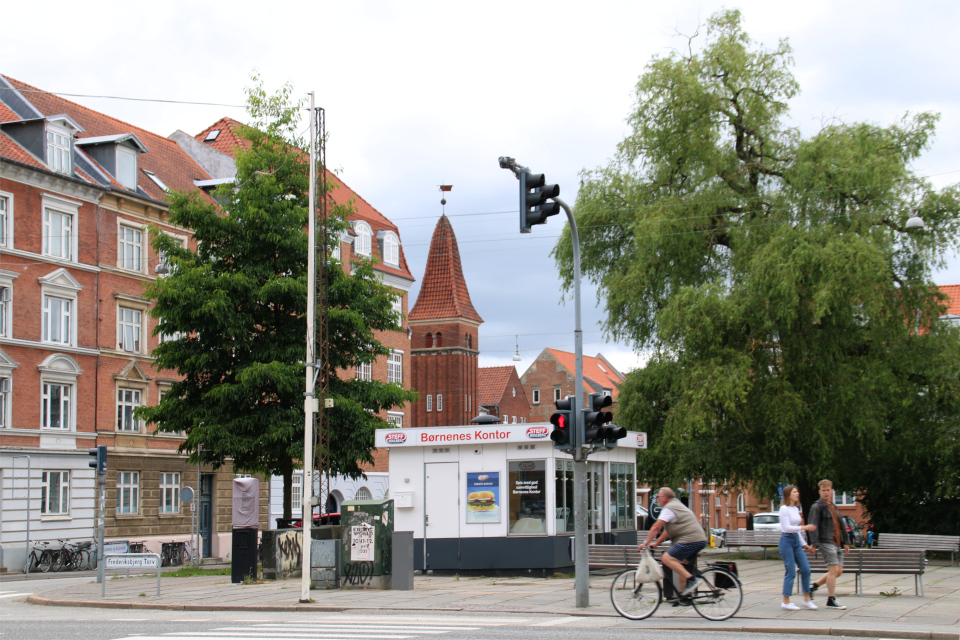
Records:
x=366, y=539
x=246, y=525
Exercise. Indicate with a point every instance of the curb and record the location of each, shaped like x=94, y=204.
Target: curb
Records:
x=900, y=634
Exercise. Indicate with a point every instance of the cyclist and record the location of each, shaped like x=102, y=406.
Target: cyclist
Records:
x=683, y=529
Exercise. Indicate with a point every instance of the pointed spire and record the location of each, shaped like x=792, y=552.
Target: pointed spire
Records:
x=443, y=293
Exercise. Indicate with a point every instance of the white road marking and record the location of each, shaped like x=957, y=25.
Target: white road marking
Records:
x=15, y=594
x=550, y=623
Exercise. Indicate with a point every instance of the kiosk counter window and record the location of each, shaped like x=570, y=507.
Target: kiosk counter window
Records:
x=623, y=493
x=564, y=493
x=528, y=497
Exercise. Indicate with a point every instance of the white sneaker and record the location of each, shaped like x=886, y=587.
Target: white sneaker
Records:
x=809, y=605
x=789, y=606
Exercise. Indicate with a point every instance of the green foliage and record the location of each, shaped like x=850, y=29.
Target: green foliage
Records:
x=238, y=303
x=773, y=276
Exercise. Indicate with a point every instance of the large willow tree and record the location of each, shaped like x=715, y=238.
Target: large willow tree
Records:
x=790, y=309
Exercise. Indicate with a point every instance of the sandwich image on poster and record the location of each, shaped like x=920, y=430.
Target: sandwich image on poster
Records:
x=483, y=497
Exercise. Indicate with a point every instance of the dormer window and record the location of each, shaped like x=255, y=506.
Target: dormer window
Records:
x=127, y=167
x=118, y=154
x=59, y=150
x=361, y=246
x=391, y=250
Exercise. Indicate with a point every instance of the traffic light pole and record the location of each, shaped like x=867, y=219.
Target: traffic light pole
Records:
x=101, y=517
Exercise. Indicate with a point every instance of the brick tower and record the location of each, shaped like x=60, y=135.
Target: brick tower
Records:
x=444, y=344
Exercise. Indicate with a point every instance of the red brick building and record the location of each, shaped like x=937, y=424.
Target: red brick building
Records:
x=552, y=376
x=501, y=394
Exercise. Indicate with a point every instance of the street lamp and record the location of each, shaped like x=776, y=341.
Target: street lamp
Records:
x=915, y=222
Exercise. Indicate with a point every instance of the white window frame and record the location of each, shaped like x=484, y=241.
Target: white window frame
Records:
x=6, y=219
x=128, y=491
x=58, y=319
x=130, y=325
x=59, y=369
x=61, y=395
x=391, y=250
x=125, y=180
x=59, y=143
x=170, y=492
x=128, y=399
x=395, y=419
x=398, y=308
x=296, y=493
x=395, y=367
x=429, y=403
x=365, y=371
x=59, y=234
x=61, y=285
x=62, y=493
x=6, y=395
x=844, y=498
x=439, y=402
x=132, y=245
x=741, y=503
x=6, y=308
x=556, y=394
x=362, y=244
x=535, y=393
x=363, y=493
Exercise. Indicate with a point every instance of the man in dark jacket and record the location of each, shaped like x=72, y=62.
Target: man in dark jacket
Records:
x=827, y=539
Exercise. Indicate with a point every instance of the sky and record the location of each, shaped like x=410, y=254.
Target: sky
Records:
x=419, y=94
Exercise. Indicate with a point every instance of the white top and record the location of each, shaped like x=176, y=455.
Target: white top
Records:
x=791, y=521
x=667, y=515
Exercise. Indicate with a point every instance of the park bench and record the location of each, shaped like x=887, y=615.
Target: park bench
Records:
x=876, y=561
x=762, y=539
x=949, y=544
x=617, y=556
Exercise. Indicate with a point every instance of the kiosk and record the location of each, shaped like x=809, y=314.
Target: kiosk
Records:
x=497, y=499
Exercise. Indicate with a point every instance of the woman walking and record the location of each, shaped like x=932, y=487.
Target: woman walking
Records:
x=792, y=548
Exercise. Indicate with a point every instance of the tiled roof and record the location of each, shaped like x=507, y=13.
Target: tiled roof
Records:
x=164, y=158
x=953, y=291
x=443, y=293
x=492, y=384
x=229, y=140
x=598, y=373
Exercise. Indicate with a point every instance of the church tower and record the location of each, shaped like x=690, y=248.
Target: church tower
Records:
x=444, y=346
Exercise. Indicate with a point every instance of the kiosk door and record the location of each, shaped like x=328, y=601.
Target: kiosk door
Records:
x=441, y=496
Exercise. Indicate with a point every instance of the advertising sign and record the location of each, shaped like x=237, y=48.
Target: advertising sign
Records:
x=481, y=434
x=361, y=543
x=483, y=497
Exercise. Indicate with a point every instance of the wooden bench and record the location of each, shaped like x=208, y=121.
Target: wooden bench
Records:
x=949, y=544
x=876, y=561
x=617, y=556
x=762, y=539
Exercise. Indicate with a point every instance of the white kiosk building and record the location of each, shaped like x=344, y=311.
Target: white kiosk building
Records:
x=498, y=498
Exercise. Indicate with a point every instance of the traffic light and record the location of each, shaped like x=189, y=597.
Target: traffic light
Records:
x=594, y=418
x=534, y=193
x=100, y=463
x=610, y=434
x=563, y=427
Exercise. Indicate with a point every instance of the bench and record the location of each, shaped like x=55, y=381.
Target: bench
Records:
x=617, y=556
x=876, y=561
x=949, y=544
x=763, y=539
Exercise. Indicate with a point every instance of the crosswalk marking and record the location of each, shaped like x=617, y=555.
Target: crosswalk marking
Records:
x=336, y=628
x=14, y=594
x=550, y=623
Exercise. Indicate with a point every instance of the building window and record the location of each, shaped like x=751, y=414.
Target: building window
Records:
x=169, y=492
x=335, y=249
x=361, y=246
x=395, y=420
x=6, y=220
x=439, y=402
x=296, y=493
x=55, y=406
x=527, y=491
x=363, y=494
x=607, y=393
x=429, y=340
x=395, y=367
x=127, y=168
x=55, y=493
x=556, y=393
x=4, y=401
x=398, y=308
x=439, y=339
x=128, y=492
x=58, y=234
x=844, y=498
x=391, y=250
x=469, y=341
x=58, y=151
x=130, y=251
x=741, y=504
x=365, y=371
x=429, y=403
x=5, y=311
x=536, y=395
x=623, y=493
x=57, y=320
x=127, y=401
x=129, y=327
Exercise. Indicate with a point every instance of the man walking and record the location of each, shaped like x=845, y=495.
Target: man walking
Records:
x=829, y=536
x=679, y=523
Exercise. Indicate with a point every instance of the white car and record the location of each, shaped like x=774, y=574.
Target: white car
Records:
x=769, y=521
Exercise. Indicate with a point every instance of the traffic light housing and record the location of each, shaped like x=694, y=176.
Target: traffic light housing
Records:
x=99, y=462
x=594, y=418
x=534, y=193
x=563, y=425
x=610, y=434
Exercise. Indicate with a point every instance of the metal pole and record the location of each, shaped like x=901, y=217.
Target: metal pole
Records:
x=101, y=522
x=27, y=546
x=309, y=403
x=199, y=553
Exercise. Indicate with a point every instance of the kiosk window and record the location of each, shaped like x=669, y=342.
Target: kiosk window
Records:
x=622, y=495
x=564, y=484
x=528, y=497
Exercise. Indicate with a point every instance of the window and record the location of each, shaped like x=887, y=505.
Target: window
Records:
x=127, y=168
x=130, y=250
x=128, y=492
x=395, y=367
x=528, y=497
x=169, y=492
x=844, y=498
x=55, y=406
x=622, y=496
x=4, y=401
x=607, y=393
x=741, y=504
x=365, y=371
x=127, y=401
x=556, y=393
x=6, y=220
x=469, y=341
x=55, y=493
x=361, y=246
x=429, y=403
x=429, y=340
x=129, y=325
x=514, y=419
x=439, y=402
x=57, y=320
x=514, y=392
x=58, y=151
x=391, y=250
x=439, y=339
x=296, y=493
x=363, y=494
x=58, y=234
x=536, y=395
x=398, y=308
x=5, y=311
x=156, y=180
x=395, y=420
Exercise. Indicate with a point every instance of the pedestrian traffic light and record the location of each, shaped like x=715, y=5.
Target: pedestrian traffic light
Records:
x=100, y=463
x=594, y=418
x=534, y=193
x=563, y=428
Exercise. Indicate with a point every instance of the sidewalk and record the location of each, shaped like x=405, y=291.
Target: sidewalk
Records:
x=935, y=616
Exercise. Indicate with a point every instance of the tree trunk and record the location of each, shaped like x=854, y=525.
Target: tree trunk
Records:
x=287, y=473
x=809, y=493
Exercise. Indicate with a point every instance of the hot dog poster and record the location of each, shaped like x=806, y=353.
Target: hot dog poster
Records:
x=483, y=497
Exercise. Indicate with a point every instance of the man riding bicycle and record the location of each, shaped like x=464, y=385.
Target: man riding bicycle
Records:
x=679, y=524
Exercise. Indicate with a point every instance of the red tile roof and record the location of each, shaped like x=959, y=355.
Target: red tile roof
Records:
x=443, y=293
x=492, y=384
x=598, y=373
x=953, y=291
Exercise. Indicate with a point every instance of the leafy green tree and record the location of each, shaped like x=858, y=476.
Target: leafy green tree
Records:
x=772, y=274
x=237, y=307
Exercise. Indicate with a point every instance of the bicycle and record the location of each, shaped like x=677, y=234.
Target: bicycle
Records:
x=188, y=554
x=171, y=554
x=41, y=557
x=717, y=597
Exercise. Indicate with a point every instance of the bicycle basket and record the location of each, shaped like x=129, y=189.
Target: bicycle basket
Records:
x=722, y=581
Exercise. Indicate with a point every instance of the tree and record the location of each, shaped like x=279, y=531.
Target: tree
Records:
x=771, y=273
x=236, y=306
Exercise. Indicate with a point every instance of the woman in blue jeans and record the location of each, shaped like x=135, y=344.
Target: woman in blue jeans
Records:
x=793, y=548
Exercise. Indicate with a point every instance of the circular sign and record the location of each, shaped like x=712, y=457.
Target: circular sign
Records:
x=186, y=494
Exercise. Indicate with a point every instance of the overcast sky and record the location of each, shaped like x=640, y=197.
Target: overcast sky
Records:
x=419, y=94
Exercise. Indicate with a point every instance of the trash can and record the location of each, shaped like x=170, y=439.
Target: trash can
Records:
x=246, y=526
x=366, y=539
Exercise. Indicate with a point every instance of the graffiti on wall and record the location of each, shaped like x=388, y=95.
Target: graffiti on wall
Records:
x=289, y=551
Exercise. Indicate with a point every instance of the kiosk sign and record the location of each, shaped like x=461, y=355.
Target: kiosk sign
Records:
x=480, y=434
x=538, y=432
x=483, y=497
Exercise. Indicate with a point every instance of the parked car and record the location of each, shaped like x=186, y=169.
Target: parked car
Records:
x=769, y=521
x=853, y=530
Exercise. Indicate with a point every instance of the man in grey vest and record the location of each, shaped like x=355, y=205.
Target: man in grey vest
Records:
x=679, y=523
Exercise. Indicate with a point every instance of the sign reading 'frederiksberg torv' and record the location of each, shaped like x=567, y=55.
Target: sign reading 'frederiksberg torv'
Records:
x=489, y=434
x=133, y=561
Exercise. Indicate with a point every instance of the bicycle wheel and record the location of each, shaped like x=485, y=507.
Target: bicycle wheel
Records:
x=632, y=600
x=719, y=595
x=60, y=559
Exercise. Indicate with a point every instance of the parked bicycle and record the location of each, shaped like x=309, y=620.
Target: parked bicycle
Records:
x=172, y=554
x=717, y=597
x=189, y=556
x=41, y=557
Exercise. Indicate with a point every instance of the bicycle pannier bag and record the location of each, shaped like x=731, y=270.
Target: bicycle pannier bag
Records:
x=722, y=581
x=648, y=570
